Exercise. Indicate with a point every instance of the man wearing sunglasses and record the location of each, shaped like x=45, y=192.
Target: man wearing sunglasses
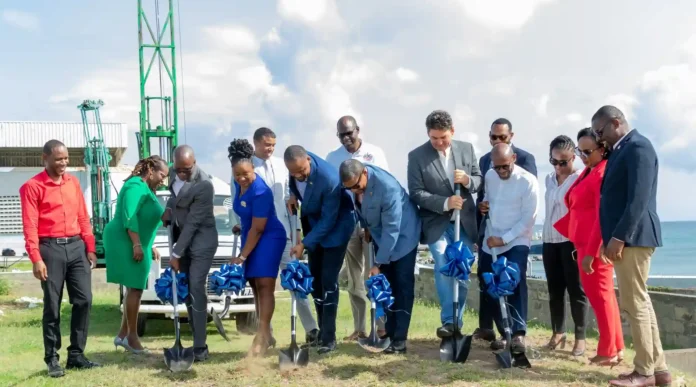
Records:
x=387, y=211
x=500, y=133
x=355, y=266
x=434, y=170
x=511, y=194
x=630, y=229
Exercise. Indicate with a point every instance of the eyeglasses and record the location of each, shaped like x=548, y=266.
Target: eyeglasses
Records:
x=357, y=183
x=345, y=134
x=501, y=137
x=561, y=163
x=601, y=131
x=505, y=167
x=584, y=152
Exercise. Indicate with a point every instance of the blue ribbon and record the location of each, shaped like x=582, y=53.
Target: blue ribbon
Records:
x=504, y=278
x=228, y=278
x=459, y=261
x=163, y=287
x=379, y=290
x=297, y=278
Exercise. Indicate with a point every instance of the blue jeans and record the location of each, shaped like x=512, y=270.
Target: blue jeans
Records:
x=444, y=284
x=516, y=303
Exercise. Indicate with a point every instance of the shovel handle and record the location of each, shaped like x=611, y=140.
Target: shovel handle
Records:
x=457, y=216
x=490, y=229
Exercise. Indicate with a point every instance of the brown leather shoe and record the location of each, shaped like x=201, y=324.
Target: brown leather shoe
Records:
x=634, y=380
x=355, y=336
x=662, y=378
x=484, y=335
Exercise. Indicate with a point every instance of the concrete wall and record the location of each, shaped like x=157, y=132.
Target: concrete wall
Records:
x=675, y=312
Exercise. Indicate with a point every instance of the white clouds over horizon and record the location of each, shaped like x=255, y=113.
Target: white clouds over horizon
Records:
x=20, y=19
x=390, y=63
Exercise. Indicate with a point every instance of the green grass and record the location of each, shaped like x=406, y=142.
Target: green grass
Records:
x=4, y=287
x=22, y=265
x=22, y=356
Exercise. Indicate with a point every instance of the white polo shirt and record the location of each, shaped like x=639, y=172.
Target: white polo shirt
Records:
x=367, y=154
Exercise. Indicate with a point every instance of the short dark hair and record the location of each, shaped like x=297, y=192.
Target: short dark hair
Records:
x=239, y=150
x=609, y=112
x=589, y=132
x=50, y=145
x=350, y=169
x=502, y=121
x=561, y=142
x=439, y=120
x=294, y=152
x=262, y=132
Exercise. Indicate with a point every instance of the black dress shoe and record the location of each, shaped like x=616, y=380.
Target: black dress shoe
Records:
x=396, y=347
x=200, y=354
x=81, y=363
x=518, y=346
x=326, y=348
x=312, y=337
x=54, y=369
x=447, y=330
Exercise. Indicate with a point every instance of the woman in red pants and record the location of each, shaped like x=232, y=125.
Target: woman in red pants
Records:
x=581, y=226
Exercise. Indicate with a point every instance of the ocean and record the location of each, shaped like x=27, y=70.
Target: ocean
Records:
x=672, y=264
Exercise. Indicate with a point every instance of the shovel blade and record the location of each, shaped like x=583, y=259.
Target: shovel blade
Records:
x=293, y=357
x=374, y=344
x=504, y=358
x=520, y=360
x=218, y=324
x=178, y=359
x=455, y=348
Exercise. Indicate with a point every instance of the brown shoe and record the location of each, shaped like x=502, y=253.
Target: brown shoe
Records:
x=662, y=378
x=355, y=336
x=634, y=379
x=484, y=335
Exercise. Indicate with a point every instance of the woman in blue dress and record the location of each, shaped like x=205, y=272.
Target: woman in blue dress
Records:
x=263, y=238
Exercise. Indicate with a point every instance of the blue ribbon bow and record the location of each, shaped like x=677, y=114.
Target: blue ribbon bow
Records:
x=163, y=287
x=504, y=278
x=228, y=278
x=297, y=278
x=379, y=290
x=459, y=261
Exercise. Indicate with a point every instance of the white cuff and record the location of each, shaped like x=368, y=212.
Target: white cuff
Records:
x=445, y=207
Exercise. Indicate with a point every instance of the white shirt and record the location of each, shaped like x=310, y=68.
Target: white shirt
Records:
x=555, y=205
x=178, y=183
x=447, y=161
x=513, y=208
x=301, y=187
x=367, y=154
x=275, y=175
x=617, y=145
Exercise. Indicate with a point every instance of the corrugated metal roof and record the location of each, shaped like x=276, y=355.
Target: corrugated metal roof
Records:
x=21, y=141
x=34, y=134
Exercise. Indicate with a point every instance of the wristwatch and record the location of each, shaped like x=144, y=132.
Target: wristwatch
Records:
x=243, y=258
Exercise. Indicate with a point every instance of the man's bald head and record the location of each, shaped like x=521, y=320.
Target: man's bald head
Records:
x=503, y=158
x=184, y=161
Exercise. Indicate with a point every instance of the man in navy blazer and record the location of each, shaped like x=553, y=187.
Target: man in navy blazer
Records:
x=631, y=231
x=328, y=220
x=500, y=132
x=393, y=225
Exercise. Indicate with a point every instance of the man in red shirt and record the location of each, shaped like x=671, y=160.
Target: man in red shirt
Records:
x=60, y=244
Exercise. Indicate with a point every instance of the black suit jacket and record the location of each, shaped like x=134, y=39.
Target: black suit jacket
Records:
x=524, y=159
x=628, y=202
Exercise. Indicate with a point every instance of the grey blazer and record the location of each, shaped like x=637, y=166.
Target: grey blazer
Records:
x=429, y=188
x=192, y=214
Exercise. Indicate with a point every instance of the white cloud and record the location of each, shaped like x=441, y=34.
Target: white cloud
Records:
x=625, y=102
x=406, y=75
x=541, y=105
x=322, y=15
x=501, y=14
x=574, y=117
x=272, y=36
x=20, y=19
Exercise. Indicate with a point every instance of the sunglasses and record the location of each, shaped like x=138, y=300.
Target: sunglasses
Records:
x=561, y=163
x=357, y=183
x=600, y=132
x=345, y=134
x=505, y=167
x=501, y=137
x=584, y=152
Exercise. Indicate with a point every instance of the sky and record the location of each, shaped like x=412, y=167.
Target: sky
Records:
x=296, y=66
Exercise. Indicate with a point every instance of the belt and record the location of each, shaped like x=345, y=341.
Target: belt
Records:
x=61, y=241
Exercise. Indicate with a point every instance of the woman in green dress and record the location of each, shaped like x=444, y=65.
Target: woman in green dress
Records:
x=128, y=240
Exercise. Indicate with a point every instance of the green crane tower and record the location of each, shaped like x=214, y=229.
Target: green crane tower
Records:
x=97, y=161
x=161, y=44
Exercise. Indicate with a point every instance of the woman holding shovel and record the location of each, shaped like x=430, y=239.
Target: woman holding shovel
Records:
x=581, y=226
x=263, y=238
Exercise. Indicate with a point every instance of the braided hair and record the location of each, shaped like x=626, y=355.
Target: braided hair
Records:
x=589, y=132
x=145, y=166
x=240, y=150
x=562, y=143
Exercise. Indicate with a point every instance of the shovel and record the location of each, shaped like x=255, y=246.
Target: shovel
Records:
x=293, y=356
x=177, y=358
x=373, y=343
x=217, y=318
x=456, y=348
x=506, y=358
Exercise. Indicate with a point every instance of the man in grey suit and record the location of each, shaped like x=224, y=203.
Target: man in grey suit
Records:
x=434, y=169
x=190, y=210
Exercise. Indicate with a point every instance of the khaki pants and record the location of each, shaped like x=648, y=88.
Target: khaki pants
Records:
x=632, y=276
x=356, y=267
